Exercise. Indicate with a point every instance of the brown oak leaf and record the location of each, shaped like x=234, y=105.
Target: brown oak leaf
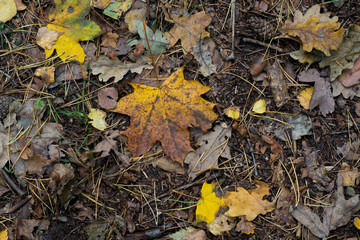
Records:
x=316, y=30
x=164, y=114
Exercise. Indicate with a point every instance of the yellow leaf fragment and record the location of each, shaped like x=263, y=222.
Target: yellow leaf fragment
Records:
x=304, y=97
x=46, y=38
x=209, y=204
x=69, y=19
x=316, y=30
x=259, y=106
x=233, y=112
x=4, y=235
x=164, y=114
x=188, y=29
x=248, y=203
x=46, y=73
x=7, y=9
x=221, y=224
x=98, y=119
x=357, y=222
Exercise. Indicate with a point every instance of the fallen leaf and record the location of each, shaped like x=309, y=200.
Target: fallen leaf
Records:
x=316, y=30
x=244, y=226
x=351, y=77
x=209, y=204
x=8, y=10
x=346, y=54
x=109, y=40
x=4, y=234
x=357, y=222
x=221, y=224
x=335, y=216
x=168, y=165
x=164, y=114
x=107, y=98
x=248, y=203
x=117, y=8
x=133, y=16
x=139, y=50
x=188, y=29
x=46, y=38
x=101, y=4
x=322, y=95
x=26, y=227
x=348, y=93
x=297, y=126
x=283, y=204
x=61, y=174
x=19, y=5
x=278, y=85
x=188, y=233
x=74, y=28
x=157, y=42
x=212, y=145
x=98, y=119
x=306, y=57
x=259, y=106
x=108, y=68
x=233, y=112
x=46, y=73
x=304, y=97
x=349, y=176
x=203, y=56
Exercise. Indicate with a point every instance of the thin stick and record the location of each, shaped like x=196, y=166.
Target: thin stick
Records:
x=11, y=183
x=152, y=57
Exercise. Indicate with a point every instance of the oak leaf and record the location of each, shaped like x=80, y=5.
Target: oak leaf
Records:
x=316, y=30
x=188, y=29
x=248, y=203
x=164, y=114
x=69, y=19
x=209, y=204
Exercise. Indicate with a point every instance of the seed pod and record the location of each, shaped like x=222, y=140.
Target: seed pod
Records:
x=258, y=66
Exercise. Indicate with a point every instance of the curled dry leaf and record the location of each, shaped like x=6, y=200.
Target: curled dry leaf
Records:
x=164, y=114
x=188, y=29
x=316, y=30
x=107, y=98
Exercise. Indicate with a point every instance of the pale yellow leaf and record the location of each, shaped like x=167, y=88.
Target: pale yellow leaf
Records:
x=98, y=119
x=259, y=106
x=304, y=97
x=7, y=9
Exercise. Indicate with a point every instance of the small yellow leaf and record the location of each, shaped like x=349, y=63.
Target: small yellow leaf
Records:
x=98, y=119
x=209, y=204
x=259, y=106
x=8, y=10
x=233, y=112
x=4, y=235
x=46, y=73
x=357, y=222
x=304, y=97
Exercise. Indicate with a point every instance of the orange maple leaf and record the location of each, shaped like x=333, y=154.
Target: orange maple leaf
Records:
x=164, y=114
x=316, y=30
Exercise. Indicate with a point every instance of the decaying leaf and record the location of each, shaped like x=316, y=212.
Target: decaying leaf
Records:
x=7, y=9
x=28, y=228
x=158, y=43
x=69, y=19
x=297, y=127
x=348, y=93
x=212, y=146
x=306, y=57
x=188, y=233
x=346, y=54
x=209, y=204
x=107, y=98
x=108, y=68
x=316, y=30
x=117, y=8
x=221, y=224
x=168, y=165
x=202, y=54
x=322, y=95
x=101, y=4
x=244, y=226
x=350, y=150
x=233, y=112
x=46, y=38
x=336, y=216
x=349, y=176
x=248, y=203
x=351, y=77
x=304, y=97
x=278, y=83
x=133, y=16
x=98, y=119
x=164, y=114
x=188, y=29
x=46, y=73
x=259, y=106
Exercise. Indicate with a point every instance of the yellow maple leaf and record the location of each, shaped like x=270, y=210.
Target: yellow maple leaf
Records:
x=164, y=114
x=188, y=29
x=209, y=204
x=304, y=97
x=248, y=203
x=69, y=19
x=98, y=119
x=316, y=30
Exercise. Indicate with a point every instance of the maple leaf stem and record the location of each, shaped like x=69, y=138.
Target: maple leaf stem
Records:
x=152, y=57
